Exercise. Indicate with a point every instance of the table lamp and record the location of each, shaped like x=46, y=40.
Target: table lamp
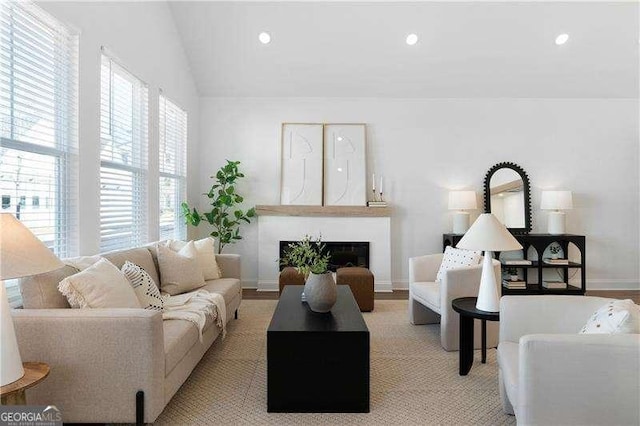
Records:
x=461, y=201
x=556, y=201
x=488, y=234
x=21, y=254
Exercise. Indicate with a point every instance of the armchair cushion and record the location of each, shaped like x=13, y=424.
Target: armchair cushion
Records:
x=427, y=293
x=457, y=258
x=617, y=316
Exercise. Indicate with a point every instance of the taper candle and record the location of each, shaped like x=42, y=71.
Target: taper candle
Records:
x=374, y=182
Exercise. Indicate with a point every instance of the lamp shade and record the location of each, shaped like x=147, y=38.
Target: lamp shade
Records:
x=488, y=234
x=462, y=200
x=21, y=253
x=556, y=200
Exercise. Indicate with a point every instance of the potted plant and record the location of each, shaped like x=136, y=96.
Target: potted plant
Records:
x=555, y=250
x=513, y=274
x=224, y=217
x=311, y=259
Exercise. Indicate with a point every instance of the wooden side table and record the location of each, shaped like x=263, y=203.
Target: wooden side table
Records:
x=34, y=373
x=466, y=307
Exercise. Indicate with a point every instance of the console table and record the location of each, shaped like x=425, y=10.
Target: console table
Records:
x=532, y=272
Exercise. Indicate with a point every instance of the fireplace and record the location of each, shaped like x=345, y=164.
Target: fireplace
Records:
x=343, y=253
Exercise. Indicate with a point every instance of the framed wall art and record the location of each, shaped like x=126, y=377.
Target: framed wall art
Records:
x=345, y=165
x=301, y=164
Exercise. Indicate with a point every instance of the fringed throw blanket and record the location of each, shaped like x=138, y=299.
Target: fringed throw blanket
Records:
x=194, y=307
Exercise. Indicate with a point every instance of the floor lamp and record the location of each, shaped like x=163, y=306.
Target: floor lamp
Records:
x=21, y=254
x=488, y=234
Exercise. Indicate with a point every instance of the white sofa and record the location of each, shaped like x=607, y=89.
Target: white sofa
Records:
x=430, y=301
x=551, y=375
x=101, y=359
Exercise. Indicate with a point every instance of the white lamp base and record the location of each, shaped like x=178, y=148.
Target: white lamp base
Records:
x=556, y=223
x=488, y=299
x=460, y=222
x=10, y=362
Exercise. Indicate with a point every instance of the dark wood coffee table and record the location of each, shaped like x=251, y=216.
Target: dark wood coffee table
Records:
x=317, y=362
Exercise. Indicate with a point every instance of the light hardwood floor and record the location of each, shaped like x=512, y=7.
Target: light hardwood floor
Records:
x=404, y=294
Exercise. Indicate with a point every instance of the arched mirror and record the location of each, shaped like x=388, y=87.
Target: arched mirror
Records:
x=506, y=195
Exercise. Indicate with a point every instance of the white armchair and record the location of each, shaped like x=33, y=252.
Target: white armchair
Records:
x=550, y=374
x=430, y=301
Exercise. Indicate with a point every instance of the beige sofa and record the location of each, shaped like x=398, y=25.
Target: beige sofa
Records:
x=101, y=359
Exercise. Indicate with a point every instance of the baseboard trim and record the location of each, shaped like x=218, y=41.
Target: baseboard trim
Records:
x=592, y=284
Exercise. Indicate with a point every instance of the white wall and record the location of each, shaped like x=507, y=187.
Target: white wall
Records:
x=144, y=39
x=424, y=147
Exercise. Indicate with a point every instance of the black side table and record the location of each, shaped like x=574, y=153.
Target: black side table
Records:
x=466, y=307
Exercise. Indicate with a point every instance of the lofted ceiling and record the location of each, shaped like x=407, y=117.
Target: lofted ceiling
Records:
x=465, y=49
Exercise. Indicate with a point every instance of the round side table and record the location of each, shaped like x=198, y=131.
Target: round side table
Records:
x=34, y=373
x=466, y=307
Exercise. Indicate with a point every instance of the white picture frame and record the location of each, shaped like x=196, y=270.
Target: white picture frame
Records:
x=301, y=164
x=345, y=165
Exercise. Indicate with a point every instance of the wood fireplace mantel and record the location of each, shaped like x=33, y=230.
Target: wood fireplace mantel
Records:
x=324, y=211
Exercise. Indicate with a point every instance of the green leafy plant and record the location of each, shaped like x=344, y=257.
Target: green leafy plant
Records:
x=554, y=248
x=307, y=255
x=224, y=217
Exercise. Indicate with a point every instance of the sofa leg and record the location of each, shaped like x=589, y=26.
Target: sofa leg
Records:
x=139, y=408
x=236, y=314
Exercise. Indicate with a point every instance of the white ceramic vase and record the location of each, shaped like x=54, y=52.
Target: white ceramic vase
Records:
x=321, y=292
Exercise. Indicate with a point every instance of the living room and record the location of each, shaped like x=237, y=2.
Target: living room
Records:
x=119, y=119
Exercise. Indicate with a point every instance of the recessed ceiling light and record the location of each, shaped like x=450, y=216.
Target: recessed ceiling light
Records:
x=412, y=39
x=264, y=38
x=562, y=39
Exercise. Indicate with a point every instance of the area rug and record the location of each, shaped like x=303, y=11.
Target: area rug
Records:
x=413, y=380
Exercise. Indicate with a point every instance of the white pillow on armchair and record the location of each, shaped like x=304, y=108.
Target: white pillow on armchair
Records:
x=457, y=258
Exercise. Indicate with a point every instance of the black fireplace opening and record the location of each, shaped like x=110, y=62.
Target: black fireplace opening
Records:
x=343, y=253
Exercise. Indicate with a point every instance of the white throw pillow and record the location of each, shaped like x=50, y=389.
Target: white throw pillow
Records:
x=179, y=271
x=146, y=289
x=457, y=258
x=616, y=317
x=206, y=256
x=101, y=285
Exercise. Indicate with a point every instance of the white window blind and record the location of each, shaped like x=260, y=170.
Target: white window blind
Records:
x=38, y=126
x=173, y=169
x=123, y=158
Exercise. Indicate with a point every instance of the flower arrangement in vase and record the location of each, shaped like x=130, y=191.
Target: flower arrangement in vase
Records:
x=311, y=259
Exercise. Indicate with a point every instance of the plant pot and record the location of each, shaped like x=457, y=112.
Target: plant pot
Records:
x=321, y=292
x=554, y=255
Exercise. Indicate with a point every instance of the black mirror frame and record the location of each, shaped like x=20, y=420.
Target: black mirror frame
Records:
x=527, y=195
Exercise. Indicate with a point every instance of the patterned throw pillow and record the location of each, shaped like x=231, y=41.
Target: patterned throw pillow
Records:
x=146, y=289
x=457, y=258
x=616, y=317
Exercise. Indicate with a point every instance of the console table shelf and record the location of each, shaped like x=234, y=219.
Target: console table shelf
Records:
x=540, y=242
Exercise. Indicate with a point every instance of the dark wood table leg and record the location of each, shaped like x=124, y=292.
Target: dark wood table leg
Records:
x=484, y=341
x=466, y=344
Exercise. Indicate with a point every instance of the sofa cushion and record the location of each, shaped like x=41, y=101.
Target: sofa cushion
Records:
x=508, y=361
x=616, y=316
x=147, y=291
x=229, y=288
x=428, y=294
x=140, y=256
x=179, y=338
x=179, y=271
x=41, y=291
x=206, y=256
x=101, y=285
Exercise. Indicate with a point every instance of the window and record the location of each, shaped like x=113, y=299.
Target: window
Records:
x=173, y=169
x=123, y=155
x=38, y=125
